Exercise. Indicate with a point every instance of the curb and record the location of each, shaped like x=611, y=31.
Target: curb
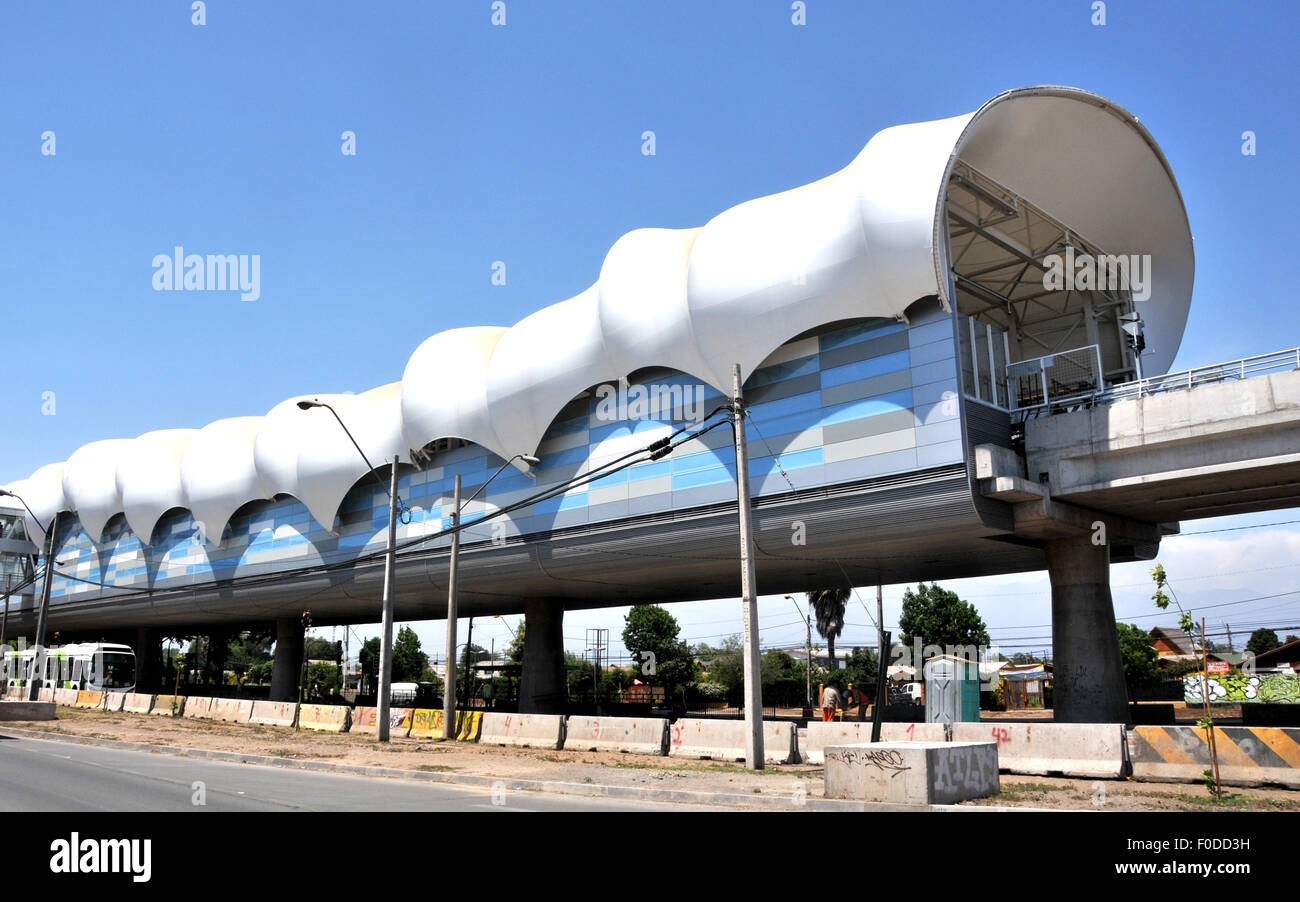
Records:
x=559, y=787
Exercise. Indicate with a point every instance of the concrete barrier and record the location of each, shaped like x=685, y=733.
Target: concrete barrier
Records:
x=113, y=701
x=198, y=708
x=90, y=700
x=231, y=710
x=822, y=734
x=44, y=695
x=541, y=731
x=274, y=714
x=324, y=718
x=1070, y=749
x=639, y=735
x=21, y=710
x=17, y=693
x=427, y=723
x=724, y=740
x=366, y=720
x=66, y=698
x=912, y=773
x=163, y=705
x=1248, y=756
x=137, y=703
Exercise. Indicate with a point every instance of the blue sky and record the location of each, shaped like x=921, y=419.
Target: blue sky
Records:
x=477, y=143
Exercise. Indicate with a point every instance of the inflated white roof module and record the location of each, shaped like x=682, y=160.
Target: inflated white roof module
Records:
x=149, y=478
x=867, y=241
x=219, y=475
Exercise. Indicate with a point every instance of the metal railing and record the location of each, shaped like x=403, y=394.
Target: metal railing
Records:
x=1054, y=378
x=1234, y=371
x=1031, y=401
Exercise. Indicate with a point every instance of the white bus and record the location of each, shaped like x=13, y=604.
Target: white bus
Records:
x=95, y=666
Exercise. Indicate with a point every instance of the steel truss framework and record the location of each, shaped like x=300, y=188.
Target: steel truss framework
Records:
x=999, y=243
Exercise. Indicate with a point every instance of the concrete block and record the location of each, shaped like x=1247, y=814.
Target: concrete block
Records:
x=44, y=695
x=639, y=735
x=113, y=701
x=231, y=710
x=821, y=734
x=66, y=698
x=16, y=710
x=724, y=740
x=168, y=705
x=541, y=731
x=912, y=773
x=274, y=714
x=89, y=700
x=324, y=718
x=427, y=723
x=1248, y=756
x=198, y=708
x=137, y=703
x=1071, y=749
x=366, y=720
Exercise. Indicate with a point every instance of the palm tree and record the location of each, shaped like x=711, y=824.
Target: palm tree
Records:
x=828, y=606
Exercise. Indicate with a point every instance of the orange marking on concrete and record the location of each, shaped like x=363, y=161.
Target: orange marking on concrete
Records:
x=1282, y=743
x=1164, y=745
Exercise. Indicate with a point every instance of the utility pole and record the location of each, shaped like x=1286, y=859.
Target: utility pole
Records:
x=4, y=626
x=469, y=643
x=449, y=684
x=748, y=578
x=386, y=643
x=1231, y=650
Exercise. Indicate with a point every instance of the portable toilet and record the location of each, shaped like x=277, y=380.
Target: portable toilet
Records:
x=952, y=690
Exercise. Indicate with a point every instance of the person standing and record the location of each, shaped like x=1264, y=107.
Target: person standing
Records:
x=830, y=701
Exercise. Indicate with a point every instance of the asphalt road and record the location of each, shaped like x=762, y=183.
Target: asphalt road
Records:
x=45, y=775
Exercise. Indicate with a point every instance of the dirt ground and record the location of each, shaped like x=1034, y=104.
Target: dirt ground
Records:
x=614, y=769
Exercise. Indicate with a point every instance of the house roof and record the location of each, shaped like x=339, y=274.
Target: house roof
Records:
x=1178, y=639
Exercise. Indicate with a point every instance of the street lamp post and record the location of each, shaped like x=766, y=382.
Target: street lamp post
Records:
x=449, y=684
x=390, y=556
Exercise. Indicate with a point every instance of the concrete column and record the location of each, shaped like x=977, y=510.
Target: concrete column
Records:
x=1089, y=674
x=148, y=659
x=541, y=685
x=285, y=670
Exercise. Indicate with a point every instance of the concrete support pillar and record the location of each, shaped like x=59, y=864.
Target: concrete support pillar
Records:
x=148, y=659
x=541, y=685
x=285, y=670
x=1089, y=673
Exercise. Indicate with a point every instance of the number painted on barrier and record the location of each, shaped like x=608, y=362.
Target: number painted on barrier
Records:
x=1002, y=735
x=677, y=734
x=595, y=728
x=911, y=731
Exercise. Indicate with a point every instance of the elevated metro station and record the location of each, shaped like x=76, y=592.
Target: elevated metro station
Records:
x=894, y=323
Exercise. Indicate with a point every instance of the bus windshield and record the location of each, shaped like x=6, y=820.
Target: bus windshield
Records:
x=119, y=670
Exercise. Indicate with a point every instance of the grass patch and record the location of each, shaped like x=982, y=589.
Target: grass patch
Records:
x=1023, y=791
x=434, y=768
x=706, y=767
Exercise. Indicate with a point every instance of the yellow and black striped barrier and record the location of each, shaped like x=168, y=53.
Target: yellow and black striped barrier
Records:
x=1248, y=756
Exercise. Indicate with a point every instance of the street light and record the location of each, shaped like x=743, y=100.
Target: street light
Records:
x=808, y=623
x=390, y=557
x=38, y=660
x=449, y=685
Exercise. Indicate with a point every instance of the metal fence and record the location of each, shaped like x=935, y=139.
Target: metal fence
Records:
x=1261, y=365
x=1053, y=378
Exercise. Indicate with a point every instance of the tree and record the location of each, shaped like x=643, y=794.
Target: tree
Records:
x=409, y=662
x=515, y=650
x=317, y=649
x=1141, y=667
x=247, y=651
x=1262, y=640
x=939, y=617
x=369, y=660
x=726, y=666
x=828, y=607
x=650, y=636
